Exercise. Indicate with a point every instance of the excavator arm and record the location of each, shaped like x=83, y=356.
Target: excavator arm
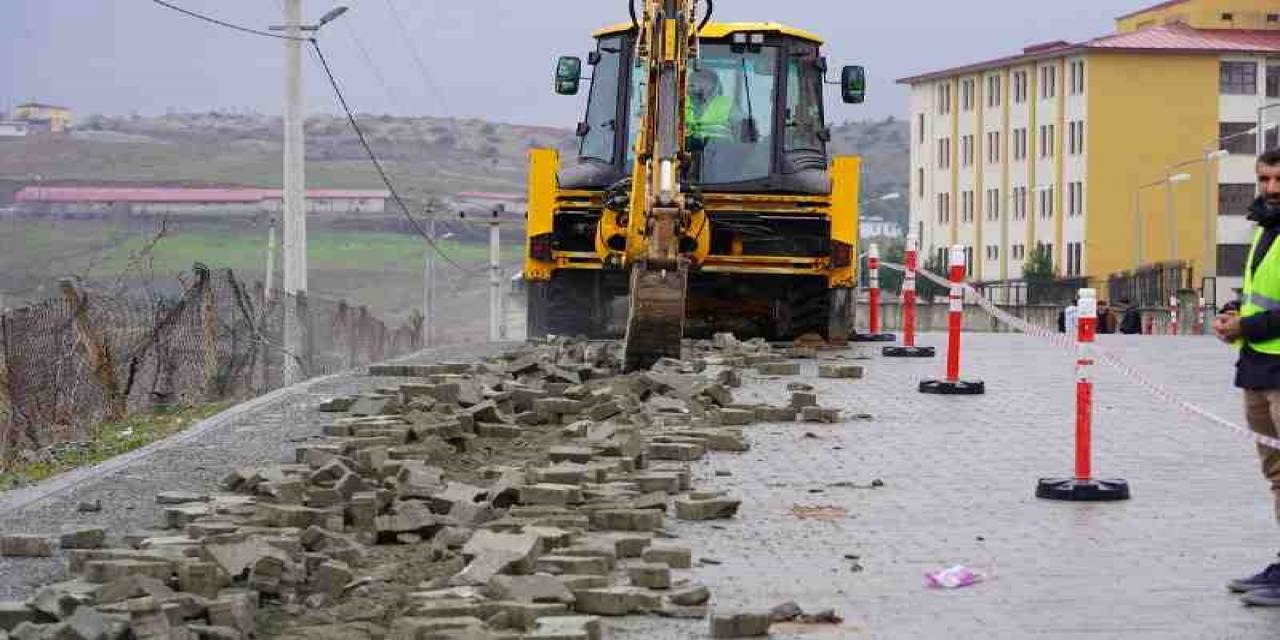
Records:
x=660, y=208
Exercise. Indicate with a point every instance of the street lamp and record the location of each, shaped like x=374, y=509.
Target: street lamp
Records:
x=1263, y=127
x=1173, y=222
x=1167, y=182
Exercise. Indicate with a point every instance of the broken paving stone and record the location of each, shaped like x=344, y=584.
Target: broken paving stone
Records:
x=708, y=509
x=55, y=602
x=89, y=506
x=103, y=571
x=571, y=454
x=650, y=575
x=13, y=613
x=690, y=596
x=567, y=628
x=538, y=587
x=180, y=497
x=679, y=451
x=331, y=577
x=820, y=414
x=550, y=494
x=616, y=601
x=737, y=417
x=674, y=556
x=847, y=371
x=415, y=628
x=778, y=368
x=82, y=537
x=802, y=399
x=574, y=565
x=627, y=519
x=25, y=546
x=739, y=625
x=340, y=404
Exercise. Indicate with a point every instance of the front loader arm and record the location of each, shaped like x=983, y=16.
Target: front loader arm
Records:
x=666, y=45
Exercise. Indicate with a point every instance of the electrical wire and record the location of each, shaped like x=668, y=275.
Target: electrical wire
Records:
x=417, y=59
x=377, y=164
x=223, y=23
x=342, y=100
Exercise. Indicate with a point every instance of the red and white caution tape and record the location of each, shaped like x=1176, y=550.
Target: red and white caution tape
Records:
x=1129, y=372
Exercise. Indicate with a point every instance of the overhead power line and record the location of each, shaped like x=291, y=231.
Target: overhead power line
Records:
x=223, y=23
x=377, y=164
x=342, y=100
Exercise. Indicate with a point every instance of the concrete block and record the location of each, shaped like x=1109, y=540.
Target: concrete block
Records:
x=674, y=556
x=739, y=625
x=616, y=601
x=25, y=546
x=737, y=417
x=567, y=628
x=627, y=519
x=680, y=451
x=582, y=565
x=709, y=509
x=690, y=596
x=82, y=537
x=820, y=414
x=650, y=575
x=845, y=371
x=533, y=588
x=778, y=368
x=550, y=494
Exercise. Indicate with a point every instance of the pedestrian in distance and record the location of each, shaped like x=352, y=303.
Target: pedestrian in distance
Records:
x=1106, y=320
x=1131, y=319
x=1255, y=330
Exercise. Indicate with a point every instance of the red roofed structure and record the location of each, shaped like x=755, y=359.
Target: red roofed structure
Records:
x=192, y=201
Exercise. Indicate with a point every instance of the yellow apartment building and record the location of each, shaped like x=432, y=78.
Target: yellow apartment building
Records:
x=45, y=116
x=1132, y=148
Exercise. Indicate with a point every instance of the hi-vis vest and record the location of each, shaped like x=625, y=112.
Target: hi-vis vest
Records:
x=713, y=122
x=1262, y=290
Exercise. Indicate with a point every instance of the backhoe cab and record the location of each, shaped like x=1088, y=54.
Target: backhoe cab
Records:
x=773, y=221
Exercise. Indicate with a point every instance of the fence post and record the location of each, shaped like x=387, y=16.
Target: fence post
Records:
x=95, y=348
x=308, y=343
x=208, y=340
x=7, y=426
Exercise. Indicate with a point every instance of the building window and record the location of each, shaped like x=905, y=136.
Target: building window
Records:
x=944, y=208
x=1238, y=78
x=993, y=205
x=1273, y=17
x=1077, y=77
x=1020, y=87
x=1020, y=143
x=919, y=128
x=966, y=150
x=1046, y=203
x=1019, y=203
x=1075, y=137
x=1075, y=258
x=993, y=147
x=968, y=261
x=944, y=98
x=966, y=95
x=1234, y=199
x=920, y=182
x=1273, y=81
x=1228, y=17
x=1048, y=82
x=1238, y=137
x=1046, y=140
x=1231, y=259
x=944, y=153
x=966, y=207
x=993, y=91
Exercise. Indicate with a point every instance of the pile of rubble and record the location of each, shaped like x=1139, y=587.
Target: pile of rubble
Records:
x=386, y=526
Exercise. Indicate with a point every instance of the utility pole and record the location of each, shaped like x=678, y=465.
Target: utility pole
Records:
x=429, y=282
x=295, y=206
x=270, y=278
x=496, y=322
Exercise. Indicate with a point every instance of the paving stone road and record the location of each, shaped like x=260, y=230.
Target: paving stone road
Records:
x=959, y=476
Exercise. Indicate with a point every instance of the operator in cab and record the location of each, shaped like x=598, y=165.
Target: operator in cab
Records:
x=708, y=112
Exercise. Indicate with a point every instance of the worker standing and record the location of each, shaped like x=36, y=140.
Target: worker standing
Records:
x=1256, y=331
x=708, y=111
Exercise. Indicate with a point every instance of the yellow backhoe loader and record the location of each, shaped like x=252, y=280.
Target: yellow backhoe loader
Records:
x=702, y=198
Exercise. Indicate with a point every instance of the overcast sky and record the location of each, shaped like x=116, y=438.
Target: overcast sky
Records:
x=489, y=59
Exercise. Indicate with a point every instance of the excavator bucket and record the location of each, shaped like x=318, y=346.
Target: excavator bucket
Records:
x=655, y=325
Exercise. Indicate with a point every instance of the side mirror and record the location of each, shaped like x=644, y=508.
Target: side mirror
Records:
x=568, y=75
x=853, y=85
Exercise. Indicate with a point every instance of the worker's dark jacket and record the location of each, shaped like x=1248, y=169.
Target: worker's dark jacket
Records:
x=1260, y=371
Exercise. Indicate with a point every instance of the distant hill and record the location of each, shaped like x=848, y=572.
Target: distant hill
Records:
x=425, y=156
x=885, y=149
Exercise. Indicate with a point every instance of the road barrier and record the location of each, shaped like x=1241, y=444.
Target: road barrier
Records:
x=1173, y=315
x=908, y=349
x=873, y=333
x=1083, y=487
x=952, y=385
x=1127, y=371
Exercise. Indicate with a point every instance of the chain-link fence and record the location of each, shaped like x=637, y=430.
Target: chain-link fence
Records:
x=71, y=363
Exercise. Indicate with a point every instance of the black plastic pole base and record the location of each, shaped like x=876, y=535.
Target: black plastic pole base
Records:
x=908, y=352
x=1075, y=490
x=953, y=387
x=873, y=337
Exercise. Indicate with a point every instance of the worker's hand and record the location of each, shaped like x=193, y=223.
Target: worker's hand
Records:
x=1227, y=327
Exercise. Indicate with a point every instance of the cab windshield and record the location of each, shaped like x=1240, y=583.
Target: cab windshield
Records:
x=600, y=136
x=730, y=116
